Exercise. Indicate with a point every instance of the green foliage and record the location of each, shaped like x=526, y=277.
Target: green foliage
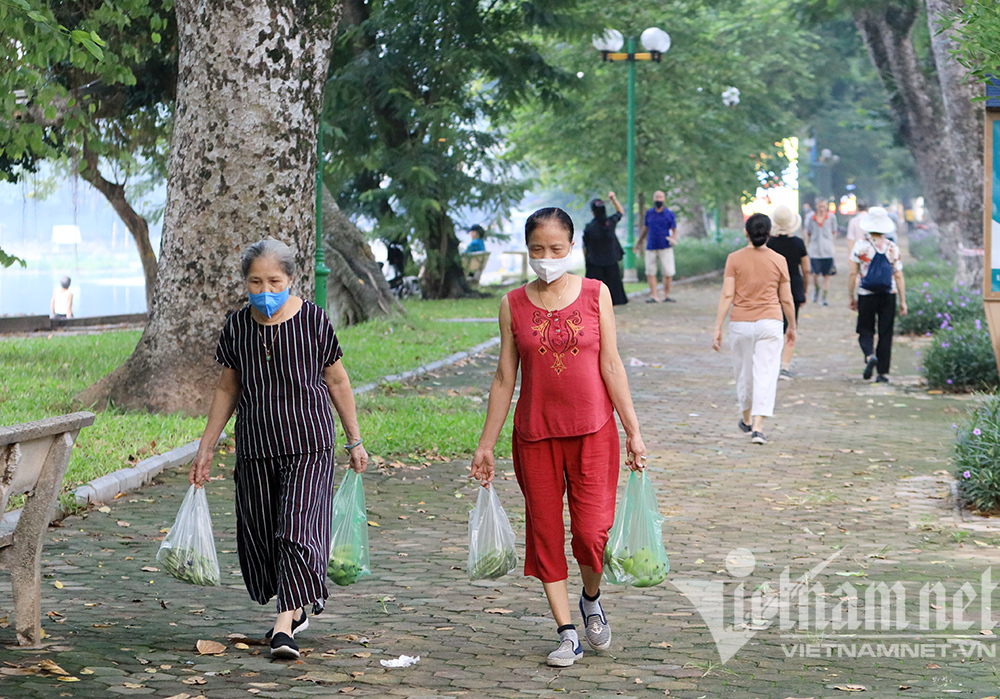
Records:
x=100, y=88
x=960, y=358
x=977, y=28
x=414, y=124
x=977, y=457
x=10, y=260
x=708, y=152
x=936, y=306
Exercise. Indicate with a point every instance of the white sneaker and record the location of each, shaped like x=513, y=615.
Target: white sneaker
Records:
x=566, y=654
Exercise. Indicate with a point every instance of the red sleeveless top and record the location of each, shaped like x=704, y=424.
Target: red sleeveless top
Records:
x=562, y=391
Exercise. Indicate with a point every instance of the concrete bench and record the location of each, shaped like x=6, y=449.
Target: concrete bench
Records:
x=473, y=263
x=33, y=459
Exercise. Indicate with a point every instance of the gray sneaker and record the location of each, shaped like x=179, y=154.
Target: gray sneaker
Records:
x=786, y=375
x=596, y=628
x=565, y=655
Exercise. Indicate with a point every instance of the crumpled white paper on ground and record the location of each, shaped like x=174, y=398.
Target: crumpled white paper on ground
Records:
x=401, y=661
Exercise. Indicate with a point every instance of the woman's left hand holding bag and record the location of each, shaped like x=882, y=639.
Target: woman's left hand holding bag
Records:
x=359, y=459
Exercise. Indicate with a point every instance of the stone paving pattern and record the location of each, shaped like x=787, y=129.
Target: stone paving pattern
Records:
x=851, y=467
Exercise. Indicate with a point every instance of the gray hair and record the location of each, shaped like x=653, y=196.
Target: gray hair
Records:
x=269, y=247
x=64, y=282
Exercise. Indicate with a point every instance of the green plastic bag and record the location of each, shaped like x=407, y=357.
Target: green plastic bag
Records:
x=349, y=539
x=634, y=554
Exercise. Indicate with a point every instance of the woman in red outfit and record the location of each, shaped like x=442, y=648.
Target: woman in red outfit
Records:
x=560, y=329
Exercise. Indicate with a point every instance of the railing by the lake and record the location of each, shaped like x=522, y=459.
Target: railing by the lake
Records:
x=30, y=324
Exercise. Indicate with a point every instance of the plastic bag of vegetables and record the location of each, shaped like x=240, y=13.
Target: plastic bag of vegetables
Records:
x=634, y=554
x=349, y=539
x=188, y=549
x=491, y=539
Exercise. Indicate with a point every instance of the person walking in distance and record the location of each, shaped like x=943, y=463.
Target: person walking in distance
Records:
x=876, y=261
x=757, y=289
x=659, y=233
x=854, y=232
x=784, y=224
x=61, y=305
x=821, y=228
x=601, y=249
x=560, y=331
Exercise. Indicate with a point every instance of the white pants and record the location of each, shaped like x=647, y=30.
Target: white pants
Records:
x=756, y=349
x=665, y=258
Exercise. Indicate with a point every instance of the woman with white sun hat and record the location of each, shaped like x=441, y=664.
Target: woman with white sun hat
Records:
x=875, y=260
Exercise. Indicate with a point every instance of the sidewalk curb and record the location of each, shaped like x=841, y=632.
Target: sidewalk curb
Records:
x=685, y=280
x=451, y=359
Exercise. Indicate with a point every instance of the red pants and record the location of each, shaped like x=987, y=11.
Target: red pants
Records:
x=586, y=469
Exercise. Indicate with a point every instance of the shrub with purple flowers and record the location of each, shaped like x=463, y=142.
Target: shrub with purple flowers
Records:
x=937, y=307
x=960, y=358
x=924, y=244
x=977, y=457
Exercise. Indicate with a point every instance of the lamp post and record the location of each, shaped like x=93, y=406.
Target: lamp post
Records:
x=656, y=42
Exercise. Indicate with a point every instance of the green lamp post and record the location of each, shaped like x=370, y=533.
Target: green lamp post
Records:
x=656, y=42
x=322, y=271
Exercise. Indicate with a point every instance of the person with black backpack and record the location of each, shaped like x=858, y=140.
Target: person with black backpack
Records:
x=876, y=260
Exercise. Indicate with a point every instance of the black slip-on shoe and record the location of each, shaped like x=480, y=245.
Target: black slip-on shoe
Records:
x=869, y=367
x=882, y=378
x=297, y=625
x=282, y=646
x=758, y=438
x=744, y=426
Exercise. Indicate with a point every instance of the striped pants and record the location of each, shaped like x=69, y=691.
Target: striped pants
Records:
x=283, y=517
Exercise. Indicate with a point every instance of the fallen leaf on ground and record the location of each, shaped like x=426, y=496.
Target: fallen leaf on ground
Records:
x=182, y=695
x=661, y=644
x=498, y=610
x=86, y=671
x=265, y=685
x=58, y=585
x=50, y=666
x=122, y=523
x=104, y=509
x=150, y=569
x=133, y=685
x=194, y=679
x=932, y=666
x=364, y=654
x=850, y=687
x=210, y=648
x=242, y=646
x=69, y=678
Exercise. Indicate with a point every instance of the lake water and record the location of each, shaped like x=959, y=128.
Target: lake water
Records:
x=95, y=292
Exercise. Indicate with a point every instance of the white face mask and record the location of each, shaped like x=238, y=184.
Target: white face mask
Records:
x=549, y=269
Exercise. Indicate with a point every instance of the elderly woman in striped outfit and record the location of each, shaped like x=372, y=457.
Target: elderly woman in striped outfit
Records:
x=281, y=370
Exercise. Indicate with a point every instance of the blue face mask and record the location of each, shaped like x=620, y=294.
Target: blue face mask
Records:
x=267, y=302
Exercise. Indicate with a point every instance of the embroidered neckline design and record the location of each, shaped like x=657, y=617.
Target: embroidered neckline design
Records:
x=558, y=338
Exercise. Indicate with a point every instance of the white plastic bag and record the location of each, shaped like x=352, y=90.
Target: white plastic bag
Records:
x=491, y=539
x=188, y=549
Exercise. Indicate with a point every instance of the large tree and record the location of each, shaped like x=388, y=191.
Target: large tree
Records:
x=242, y=167
x=420, y=93
x=912, y=44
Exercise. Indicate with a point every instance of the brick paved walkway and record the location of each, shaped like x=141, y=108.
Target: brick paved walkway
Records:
x=883, y=506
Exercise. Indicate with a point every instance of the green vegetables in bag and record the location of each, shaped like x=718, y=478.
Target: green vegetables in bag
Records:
x=493, y=564
x=634, y=554
x=345, y=565
x=190, y=566
x=642, y=566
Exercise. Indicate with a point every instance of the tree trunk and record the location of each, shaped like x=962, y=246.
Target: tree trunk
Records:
x=443, y=275
x=356, y=290
x=242, y=167
x=965, y=136
x=136, y=224
x=918, y=111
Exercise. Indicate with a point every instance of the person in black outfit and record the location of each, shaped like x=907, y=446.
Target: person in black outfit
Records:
x=784, y=224
x=601, y=249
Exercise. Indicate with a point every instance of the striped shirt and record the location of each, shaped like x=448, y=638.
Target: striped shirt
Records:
x=284, y=405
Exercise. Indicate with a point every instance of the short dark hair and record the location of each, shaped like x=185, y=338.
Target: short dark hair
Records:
x=477, y=229
x=549, y=213
x=759, y=229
